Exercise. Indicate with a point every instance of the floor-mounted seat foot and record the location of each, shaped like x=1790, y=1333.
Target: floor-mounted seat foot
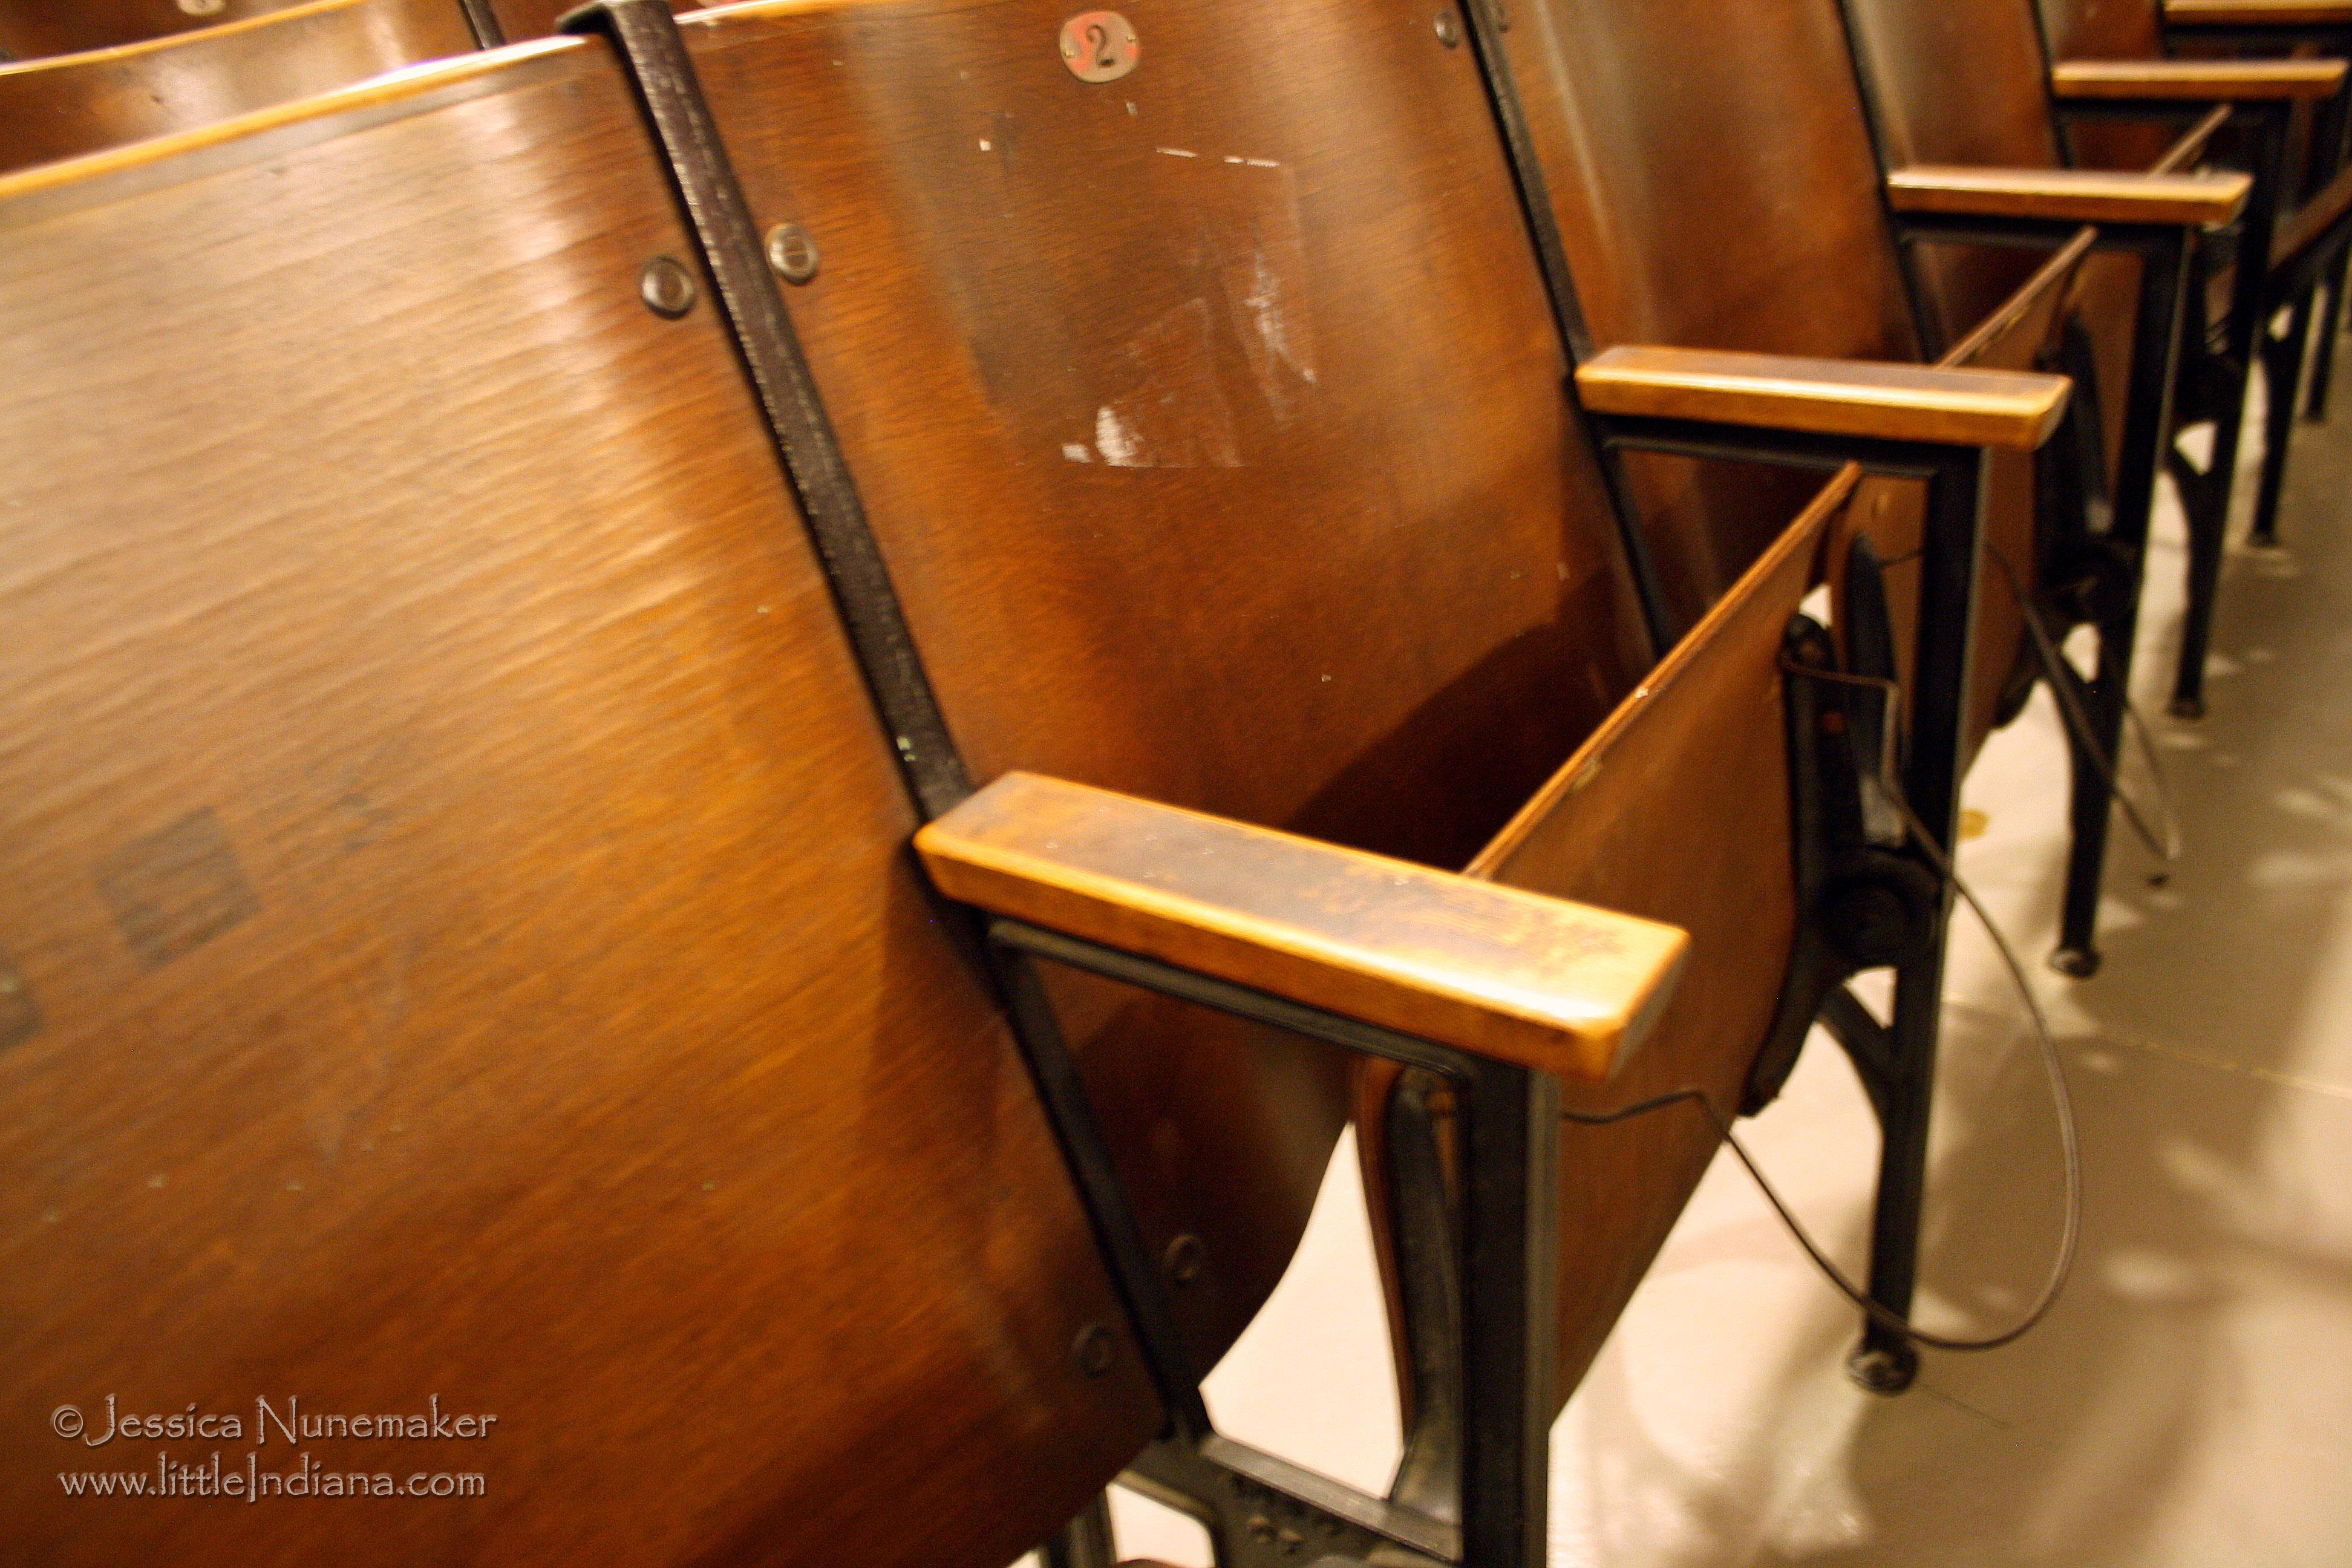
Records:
x=1882, y=1369
x=2185, y=708
x=2077, y=962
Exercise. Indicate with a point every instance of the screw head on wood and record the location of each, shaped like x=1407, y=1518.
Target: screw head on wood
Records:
x=791, y=253
x=666, y=288
x=1449, y=31
x=1185, y=1257
x=1094, y=1349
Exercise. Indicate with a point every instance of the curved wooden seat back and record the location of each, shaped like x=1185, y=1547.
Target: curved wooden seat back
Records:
x=35, y=29
x=1960, y=83
x=1656, y=154
x=1722, y=196
x=1995, y=113
x=73, y=104
x=2109, y=30
x=1211, y=424
x=461, y=943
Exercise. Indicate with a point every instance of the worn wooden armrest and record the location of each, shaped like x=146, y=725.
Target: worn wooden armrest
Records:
x=2194, y=81
x=1957, y=408
x=2258, y=13
x=2070, y=196
x=1487, y=969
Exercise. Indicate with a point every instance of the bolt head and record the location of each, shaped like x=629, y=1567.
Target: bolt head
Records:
x=666, y=288
x=1095, y=1349
x=1186, y=1257
x=1449, y=30
x=791, y=253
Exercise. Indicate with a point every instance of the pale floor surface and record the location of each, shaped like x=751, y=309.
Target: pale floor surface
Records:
x=2190, y=1400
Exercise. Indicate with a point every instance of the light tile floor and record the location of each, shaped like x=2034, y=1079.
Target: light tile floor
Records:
x=2190, y=1401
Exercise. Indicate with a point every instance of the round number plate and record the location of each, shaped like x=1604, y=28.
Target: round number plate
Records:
x=1100, y=45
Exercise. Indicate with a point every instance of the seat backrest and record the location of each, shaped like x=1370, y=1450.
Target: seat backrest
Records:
x=1962, y=82
x=71, y=104
x=2103, y=29
x=461, y=945
x=1714, y=196
x=1212, y=430
x=32, y=29
x=1209, y=420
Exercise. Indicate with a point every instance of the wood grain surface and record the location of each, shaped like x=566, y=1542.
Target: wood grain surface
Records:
x=1210, y=421
x=2071, y=195
x=1545, y=982
x=463, y=937
x=1958, y=405
x=2196, y=81
x=78, y=103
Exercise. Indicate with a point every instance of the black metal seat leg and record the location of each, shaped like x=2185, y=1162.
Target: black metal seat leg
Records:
x=2091, y=809
x=2114, y=599
x=2205, y=502
x=2331, y=322
x=2283, y=377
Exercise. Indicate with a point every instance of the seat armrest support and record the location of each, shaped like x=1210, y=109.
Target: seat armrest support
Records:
x=1490, y=971
x=2070, y=196
x=2319, y=16
x=1850, y=399
x=2192, y=82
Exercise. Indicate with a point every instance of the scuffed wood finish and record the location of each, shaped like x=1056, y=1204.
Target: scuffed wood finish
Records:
x=459, y=894
x=1218, y=450
x=2195, y=81
x=1541, y=982
x=2070, y=196
x=1958, y=405
x=80, y=103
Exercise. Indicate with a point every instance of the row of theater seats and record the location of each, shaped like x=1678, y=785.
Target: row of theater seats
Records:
x=739, y=735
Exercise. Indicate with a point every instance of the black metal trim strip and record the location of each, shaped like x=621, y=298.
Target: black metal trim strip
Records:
x=647, y=36
x=484, y=24
x=1485, y=24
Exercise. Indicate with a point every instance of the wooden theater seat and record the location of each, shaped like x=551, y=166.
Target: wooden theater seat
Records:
x=72, y=104
x=35, y=29
x=468, y=922
x=2006, y=110
x=1650, y=152
x=461, y=940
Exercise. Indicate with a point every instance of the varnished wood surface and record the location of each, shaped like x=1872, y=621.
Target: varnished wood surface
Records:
x=1541, y=982
x=1656, y=153
x=1218, y=451
x=35, y=29
x=2071, y=195
x=2195, y=81
x=1701, y=742
x=1956, y=405
x=73, y=104
x=2258, y=13
x=458, y=901
x=30, y=29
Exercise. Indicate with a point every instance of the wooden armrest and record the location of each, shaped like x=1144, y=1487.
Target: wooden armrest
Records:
x=1486, y=969
x=2070, y=196
x=2258, y=13
x=1955, y=407
x=2195, y=81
